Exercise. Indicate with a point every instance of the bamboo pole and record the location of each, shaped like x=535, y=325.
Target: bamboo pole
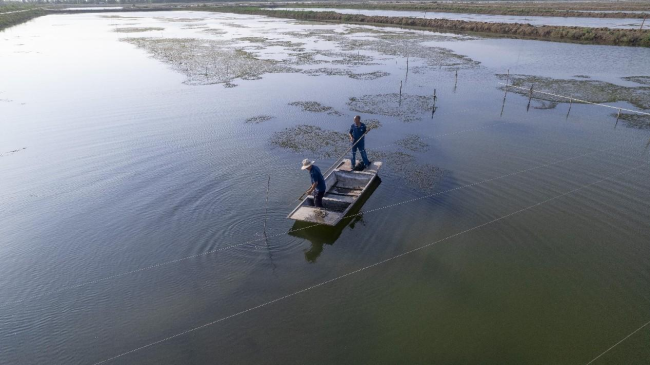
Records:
x=435, y=98
x=618, y=116
x=266, y=212
x=530, y=96
x=570, y=105
x=400, y=93
x=642, y=23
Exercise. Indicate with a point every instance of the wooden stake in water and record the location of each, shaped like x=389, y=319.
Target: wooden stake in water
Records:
x=643, y=23
x=570, y=105
x=456, y=78
x=530, y=96
x=435, y=98
x=266, y=212
x=507, y=80
x=617, y=118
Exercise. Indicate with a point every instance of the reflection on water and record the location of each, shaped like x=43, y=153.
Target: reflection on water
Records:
x=323, y=235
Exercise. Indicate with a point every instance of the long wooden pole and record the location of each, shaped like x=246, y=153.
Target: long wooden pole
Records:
x=337, y=161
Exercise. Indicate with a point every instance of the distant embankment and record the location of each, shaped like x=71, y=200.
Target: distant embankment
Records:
x=607, y=36
x=9, y=19
x=562, y=9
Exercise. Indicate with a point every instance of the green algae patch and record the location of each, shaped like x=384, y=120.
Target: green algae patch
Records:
x=589, y=90
x=315, y=107
x=413, y=143
x=206, y=61
x=137, y=29
x=406, y=107
x=259, y=119
x=312, y=139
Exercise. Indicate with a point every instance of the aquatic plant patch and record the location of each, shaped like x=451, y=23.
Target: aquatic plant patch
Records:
x=418, y=176
x=637, y=121
x=308, y=138
x=590, y=90
x=644, y=80
x=407, y=107
x=137, y=29
x=315, y=107
x=206, y=61
x=413, y=143
x=259, y=119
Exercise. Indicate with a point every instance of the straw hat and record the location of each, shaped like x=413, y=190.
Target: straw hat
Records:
x=306, y=163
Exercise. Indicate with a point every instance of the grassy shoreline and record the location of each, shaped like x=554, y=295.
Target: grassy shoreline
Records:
x=603, y=36
x=11, y=19
x=584, y=10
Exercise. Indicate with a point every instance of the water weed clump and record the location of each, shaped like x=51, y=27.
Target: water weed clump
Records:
x=418, y=176
x=344, y=72
x=637, y=121
x=589, y=90
x=643, y=80
x=413, y=143
x=207, y=61
x=259, y=119
x=315, y=107
x=309, y=138
x=137, y=29
x=406, y=107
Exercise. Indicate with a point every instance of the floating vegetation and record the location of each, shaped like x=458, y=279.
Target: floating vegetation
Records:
x=590, y=90
x=308, y=138
x=419, y=176
x=644, y=80
x=195, y=26
x=372, y=124
x=137, y=29
x=118, y=17
x=259, y=119
x=407, y=107
x=341, y=72
x=206, y=61
x=582, y=76
x=637, y=121
x=235, y=25
x=214, y=31
x=179, y=20
x=315, y=107
x=413, y=143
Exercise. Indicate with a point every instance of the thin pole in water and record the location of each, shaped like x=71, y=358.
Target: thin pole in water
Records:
x=433, y=109
x=530, y=96
x=507, y=80
x=644, y=18
x=570, y=105
x=400, y=93
x=617, y=117
x=266, y=212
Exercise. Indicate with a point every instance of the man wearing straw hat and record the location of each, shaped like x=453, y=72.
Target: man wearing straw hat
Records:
x=318, y=186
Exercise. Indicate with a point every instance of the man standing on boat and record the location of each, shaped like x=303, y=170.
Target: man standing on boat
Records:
x=357, y=132
x=318, y=186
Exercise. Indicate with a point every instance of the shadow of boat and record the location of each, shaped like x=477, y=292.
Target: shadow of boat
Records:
x=320, y=235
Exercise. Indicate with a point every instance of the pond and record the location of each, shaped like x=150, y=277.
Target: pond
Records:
x=136, y=151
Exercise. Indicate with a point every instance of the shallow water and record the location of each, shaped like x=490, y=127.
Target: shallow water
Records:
x=133, y=199
x=527, y=19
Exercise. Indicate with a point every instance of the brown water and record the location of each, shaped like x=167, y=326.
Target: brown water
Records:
x=134, y=180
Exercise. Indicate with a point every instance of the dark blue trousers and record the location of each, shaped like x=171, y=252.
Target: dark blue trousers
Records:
x=362, y=151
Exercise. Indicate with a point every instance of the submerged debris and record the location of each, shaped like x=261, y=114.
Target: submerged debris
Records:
x=206, y=61
x=407, y=107
x=137, y=29
x=308, y=138
x=413, y=143
x=590, y=90
x=259, y=119
x=315, y=107
x=420, y=176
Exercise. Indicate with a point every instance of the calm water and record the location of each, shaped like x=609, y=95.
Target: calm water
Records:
x=133, y=205
x=534, y=20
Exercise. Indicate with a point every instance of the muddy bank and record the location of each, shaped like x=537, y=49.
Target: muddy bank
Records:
x=556, y=9
x=619, y=37
x=589, y=90
x=10, y=19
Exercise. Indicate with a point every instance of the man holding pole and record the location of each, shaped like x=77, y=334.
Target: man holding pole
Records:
x=318, y=186
x=357, y=137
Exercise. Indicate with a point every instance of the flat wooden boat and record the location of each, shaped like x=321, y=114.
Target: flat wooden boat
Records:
x=344, y=188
